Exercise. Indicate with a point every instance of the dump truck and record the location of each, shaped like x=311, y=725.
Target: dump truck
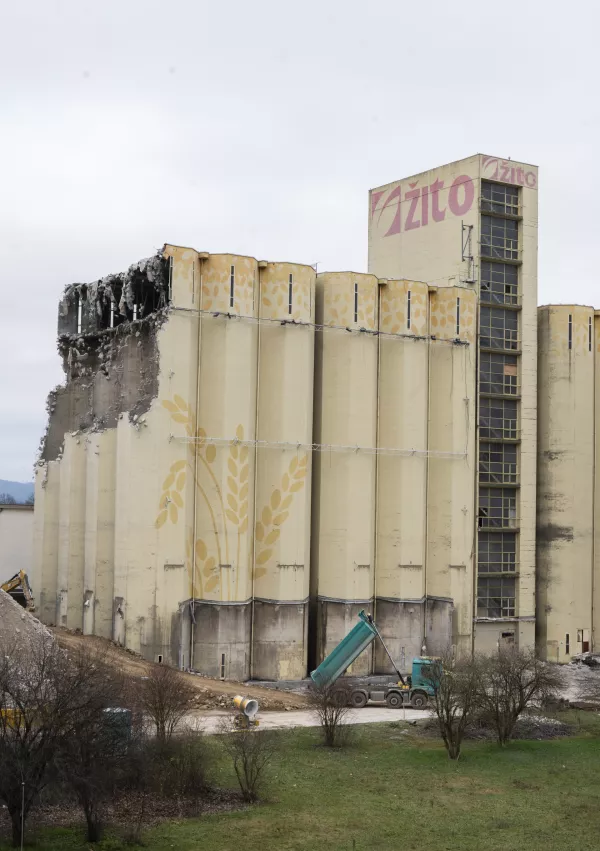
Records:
x=20, y=590
x=414, y=690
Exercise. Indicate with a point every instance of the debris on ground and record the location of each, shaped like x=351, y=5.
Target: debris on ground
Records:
x=531, y=727
x=211, y=694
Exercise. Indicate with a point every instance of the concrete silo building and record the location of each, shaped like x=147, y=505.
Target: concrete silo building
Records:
x=470, y=228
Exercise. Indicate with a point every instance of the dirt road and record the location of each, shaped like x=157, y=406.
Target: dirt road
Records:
x=208, y=722
x=212, y=694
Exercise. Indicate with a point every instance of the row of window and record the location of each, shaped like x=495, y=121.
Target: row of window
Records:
x=498, y=417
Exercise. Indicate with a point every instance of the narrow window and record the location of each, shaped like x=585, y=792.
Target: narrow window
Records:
x=112, y=314
x=290, y=293
x=590, y=334
x=222, y=666
x=570, y=330
x=457, y=316
x=408, y=310
x=356, y=302
x=135, y=312
x=160, y=658
x=567, y=645
x=232, y=286
x=79, y=313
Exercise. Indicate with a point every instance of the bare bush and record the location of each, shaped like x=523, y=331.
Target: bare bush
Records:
x=251, y=751
x=166, y=698
x=331, y=705
x=455, y=689
x=510, y=681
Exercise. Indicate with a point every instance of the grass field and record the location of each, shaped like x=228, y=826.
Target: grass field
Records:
x=395, y=790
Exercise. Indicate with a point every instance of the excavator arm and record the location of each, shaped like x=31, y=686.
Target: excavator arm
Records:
x=21, y=580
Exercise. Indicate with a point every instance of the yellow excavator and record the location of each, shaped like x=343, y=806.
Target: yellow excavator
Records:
x=19, y=589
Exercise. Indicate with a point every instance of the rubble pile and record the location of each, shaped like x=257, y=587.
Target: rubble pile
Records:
x=17, y=626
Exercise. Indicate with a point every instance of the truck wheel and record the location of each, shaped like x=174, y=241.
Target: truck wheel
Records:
x=358, y=699
x=419, y=700
x=394, y=700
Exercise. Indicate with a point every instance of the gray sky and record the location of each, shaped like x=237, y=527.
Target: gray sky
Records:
x=258, y=128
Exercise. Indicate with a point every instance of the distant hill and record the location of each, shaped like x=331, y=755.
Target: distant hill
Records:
x=19, y=490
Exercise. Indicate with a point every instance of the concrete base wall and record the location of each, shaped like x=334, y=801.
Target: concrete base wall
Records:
x=279, y=649
x=401, y=626
x=222, y=639
x=493, y=634
x=405, y=625
x=334, y=622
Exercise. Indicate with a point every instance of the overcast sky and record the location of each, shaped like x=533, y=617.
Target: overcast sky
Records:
x=258, y=128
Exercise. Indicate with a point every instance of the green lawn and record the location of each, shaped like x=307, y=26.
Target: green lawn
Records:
x=393, y=790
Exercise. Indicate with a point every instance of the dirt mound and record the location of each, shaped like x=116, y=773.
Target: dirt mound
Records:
x=211, y=694
x=532, y=727
x=17, y=626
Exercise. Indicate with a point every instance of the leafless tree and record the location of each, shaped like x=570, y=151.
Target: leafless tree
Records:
x=510, y=681
x=43, y=696
x=331, y=705
x=165, y=697
x=251, y=751
x=455, y=688
x=91, y=756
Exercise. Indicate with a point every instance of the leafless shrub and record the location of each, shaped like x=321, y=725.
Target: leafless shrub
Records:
x=251, y=751
x=510, y=681
x=165, y=697
x=455, y=688
x=331, y=705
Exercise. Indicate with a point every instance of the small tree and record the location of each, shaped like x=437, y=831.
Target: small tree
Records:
x=455, y=688
x=331, y=705
x=511, y=681
x=90, y=756
x=250, y=751
x=166, y=698
x=7, y=499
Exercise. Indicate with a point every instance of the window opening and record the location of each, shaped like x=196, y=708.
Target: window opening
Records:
x=408, y=310
x=499, y=238
x=498, y=463
x=222, y=666
x=290, y=293
x=497, y=508
x=496, y=597
x=498, y=328
x=112, y=314
x=570, y=330
x=497, y=552
x=457, y=316
x=567, y=644
x=590, y=334
x=499, y=198
x=356, y=302
x=498, y=374
x=232, y=286
x=499, y=283
x=79, y=313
